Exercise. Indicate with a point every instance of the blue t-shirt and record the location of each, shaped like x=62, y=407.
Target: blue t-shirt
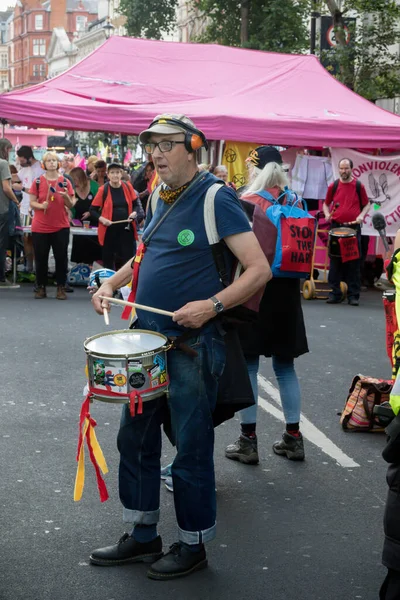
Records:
x=178, y=266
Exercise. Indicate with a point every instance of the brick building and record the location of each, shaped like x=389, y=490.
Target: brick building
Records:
x=33, y=24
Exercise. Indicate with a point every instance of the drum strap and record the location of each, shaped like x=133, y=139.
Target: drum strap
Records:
x=140, y=252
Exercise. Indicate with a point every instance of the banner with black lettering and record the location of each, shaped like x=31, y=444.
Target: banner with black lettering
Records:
x=381, y=178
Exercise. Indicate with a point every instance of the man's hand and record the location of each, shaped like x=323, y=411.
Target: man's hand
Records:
x=359, y=220
x=194, y=314
x=105, y=289
x=105, y=222
x=133, y=215
x=45, y=205
x=86, y=215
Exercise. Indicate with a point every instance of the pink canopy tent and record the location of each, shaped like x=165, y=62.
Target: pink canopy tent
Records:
x=230, y=93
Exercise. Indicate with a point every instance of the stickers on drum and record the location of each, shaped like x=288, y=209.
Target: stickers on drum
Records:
x=126, y=361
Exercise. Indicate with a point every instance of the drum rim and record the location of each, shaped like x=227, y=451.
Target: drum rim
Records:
x=350, y=232
x=125, y=355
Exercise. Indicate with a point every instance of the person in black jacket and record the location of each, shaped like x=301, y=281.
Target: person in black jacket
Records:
x=390, y=589
x=279, y=331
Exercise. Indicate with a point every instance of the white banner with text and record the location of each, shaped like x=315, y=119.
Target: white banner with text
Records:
x=381, y=178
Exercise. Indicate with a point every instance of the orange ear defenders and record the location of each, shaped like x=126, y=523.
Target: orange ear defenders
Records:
x=44, y=167
x=194, y=138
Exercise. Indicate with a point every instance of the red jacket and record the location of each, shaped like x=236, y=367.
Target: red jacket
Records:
x=107, y=207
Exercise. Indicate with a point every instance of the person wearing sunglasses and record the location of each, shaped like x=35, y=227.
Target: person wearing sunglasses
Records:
x=50, y=195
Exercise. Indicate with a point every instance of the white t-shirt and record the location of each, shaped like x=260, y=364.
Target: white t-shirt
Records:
x=27, y=176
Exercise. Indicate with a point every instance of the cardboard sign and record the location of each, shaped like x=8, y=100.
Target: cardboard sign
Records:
x=298, y=237
x=349, y=248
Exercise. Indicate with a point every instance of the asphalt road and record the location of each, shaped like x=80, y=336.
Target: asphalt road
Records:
x=311, y=531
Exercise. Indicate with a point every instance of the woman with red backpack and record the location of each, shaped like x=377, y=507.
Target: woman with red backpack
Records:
x=279, y=331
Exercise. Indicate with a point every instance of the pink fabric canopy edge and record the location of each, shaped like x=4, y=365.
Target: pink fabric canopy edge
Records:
x=230, y=93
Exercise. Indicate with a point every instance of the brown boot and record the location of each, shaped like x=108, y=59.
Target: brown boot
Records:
x=61, y=295
x=40, y=292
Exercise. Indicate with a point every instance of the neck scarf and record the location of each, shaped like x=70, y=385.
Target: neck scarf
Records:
x=169, y=196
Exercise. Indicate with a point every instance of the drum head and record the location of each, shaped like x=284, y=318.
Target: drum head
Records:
x=342, y=232
x=122, y=343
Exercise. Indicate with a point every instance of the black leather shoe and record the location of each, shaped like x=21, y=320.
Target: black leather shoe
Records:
x=178, y=562
x=127, y=550
x=353, y=302
x=334, y=300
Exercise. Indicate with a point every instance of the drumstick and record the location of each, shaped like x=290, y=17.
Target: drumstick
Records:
x=159, y=311
x=106, y=319
x=125, y=221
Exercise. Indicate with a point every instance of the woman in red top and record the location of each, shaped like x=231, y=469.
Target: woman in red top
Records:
x=50, y=196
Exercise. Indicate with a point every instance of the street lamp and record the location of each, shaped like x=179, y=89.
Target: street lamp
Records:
x=108, y=28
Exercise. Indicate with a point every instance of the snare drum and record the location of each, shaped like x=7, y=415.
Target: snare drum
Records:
x=121, y=362
x=335, y=235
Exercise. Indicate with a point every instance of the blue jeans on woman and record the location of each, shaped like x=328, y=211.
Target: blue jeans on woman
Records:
x=192, y=398
x=288, y=384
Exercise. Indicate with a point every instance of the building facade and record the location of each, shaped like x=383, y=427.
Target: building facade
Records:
x=4, y=50
x=32, y=26
x=63, y=52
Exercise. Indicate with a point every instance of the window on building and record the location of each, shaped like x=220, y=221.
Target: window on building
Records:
x=36, y=70
x=39, y=47
x=42, y=70
x=81, y=23
x=4, y=61
x=39, y=22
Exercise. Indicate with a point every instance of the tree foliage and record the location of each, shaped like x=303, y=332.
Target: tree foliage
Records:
x=368, y=65
x=275, y=25
x=149, y=19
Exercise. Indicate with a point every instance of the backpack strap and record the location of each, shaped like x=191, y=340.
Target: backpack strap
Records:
x=358, y=190
x=335, y=187
x=37, y=185
x=209, y=213
x=105, y=192
x=210, y=224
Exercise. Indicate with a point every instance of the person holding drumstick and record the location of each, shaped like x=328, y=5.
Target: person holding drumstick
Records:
x=115, y=204
x=50, y=197
x=178, y=274
x=346, y=204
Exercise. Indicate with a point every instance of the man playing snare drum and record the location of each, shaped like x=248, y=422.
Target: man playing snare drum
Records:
x=346, y=204
x=178, y=274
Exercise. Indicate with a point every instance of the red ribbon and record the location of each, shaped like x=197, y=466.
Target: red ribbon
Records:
x=85, y=413
x=140, y=252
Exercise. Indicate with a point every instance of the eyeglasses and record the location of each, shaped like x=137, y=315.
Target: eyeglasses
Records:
x=165, y=146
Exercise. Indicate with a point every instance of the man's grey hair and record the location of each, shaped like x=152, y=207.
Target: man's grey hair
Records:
x=5, y=145
x=222, y=168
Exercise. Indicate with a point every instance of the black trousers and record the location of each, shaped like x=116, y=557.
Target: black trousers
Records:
x=390, y=589
x=58, y=241
x=119, y=246
x=349, y=272
x=3, y=244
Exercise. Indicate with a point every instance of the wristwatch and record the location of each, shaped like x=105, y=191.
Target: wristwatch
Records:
x=218, y=306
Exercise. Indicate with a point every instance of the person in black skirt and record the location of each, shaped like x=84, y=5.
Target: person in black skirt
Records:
x=116, y=201
x=279, y=331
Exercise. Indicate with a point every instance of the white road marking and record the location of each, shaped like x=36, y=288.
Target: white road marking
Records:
x=309, y=431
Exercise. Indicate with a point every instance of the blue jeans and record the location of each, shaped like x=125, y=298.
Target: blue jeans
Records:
x=288, y=384
x=192, y=397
